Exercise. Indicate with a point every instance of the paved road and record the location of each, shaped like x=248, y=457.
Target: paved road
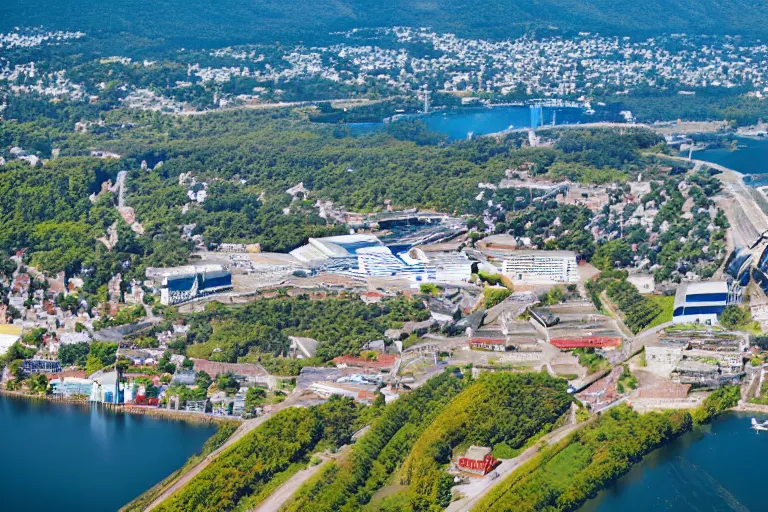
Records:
x=475, y=490
x=287, y=104
x=283, y=493
x=241, y=431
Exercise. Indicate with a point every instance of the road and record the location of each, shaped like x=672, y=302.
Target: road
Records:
x=474, y=491
x=636, y=343
x=241, y=431
x=338, y=103
x=283, y=493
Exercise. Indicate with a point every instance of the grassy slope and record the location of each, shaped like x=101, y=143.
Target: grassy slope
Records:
x=563, y=476
x=222, y=434
x=666, y=304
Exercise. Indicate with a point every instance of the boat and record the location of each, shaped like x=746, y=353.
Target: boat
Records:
x=756, y=426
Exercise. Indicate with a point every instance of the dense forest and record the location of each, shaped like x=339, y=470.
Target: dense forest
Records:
x=500, y=409
x=247, y=160
x=261, y=328
x=245, y=468
x=150, y=27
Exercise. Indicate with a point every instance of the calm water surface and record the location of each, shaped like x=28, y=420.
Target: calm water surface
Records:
x=72, y=458
x=751, y=158
x=458, y=124
x=718, y=468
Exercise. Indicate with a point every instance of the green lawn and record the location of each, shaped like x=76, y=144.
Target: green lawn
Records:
x=667, y=304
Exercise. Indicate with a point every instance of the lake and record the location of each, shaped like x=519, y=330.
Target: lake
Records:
x=719, y=467
x=73, y=458
x=751, y=158
x=457, y=124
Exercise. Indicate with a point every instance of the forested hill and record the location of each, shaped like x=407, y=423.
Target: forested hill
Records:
x=157, y=24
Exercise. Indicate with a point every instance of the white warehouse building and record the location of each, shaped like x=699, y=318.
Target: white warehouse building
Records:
x=541, y=267
x=702, y=302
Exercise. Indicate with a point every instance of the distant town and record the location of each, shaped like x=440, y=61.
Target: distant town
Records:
x=390, y=62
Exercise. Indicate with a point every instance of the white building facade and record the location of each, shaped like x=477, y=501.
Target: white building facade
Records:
x=541, y=267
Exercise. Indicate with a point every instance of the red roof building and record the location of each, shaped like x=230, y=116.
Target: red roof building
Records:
x=586, y=342
x=478, y=460
x=382, y=362
x=372, y=297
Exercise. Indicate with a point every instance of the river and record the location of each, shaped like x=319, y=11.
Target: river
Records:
x=714, y=468
x=77, y=458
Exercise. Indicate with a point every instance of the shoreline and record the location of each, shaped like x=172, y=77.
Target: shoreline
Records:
x=750, y=407
x=136, y=410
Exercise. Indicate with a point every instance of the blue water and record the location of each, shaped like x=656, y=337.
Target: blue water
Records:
x=73, y=458
x=718, y=468
x=751, y=158
x=458, y=124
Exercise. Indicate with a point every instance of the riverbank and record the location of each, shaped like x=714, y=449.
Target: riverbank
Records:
x=749, y=407
x=145, y=499
x=135, y=410
x=707, y=468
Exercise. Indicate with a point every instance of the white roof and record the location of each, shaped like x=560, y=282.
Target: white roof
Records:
x=6, y=341
x=699, y=288
x=542, y=254
x=705, y=287
x=379, y=249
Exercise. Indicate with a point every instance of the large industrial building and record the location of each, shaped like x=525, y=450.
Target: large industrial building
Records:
x=541, y=267
x=185, y=287
x=335, y=252
x=366, y=255
x=702, y=302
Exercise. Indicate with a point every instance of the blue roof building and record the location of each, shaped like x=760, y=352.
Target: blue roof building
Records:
x=702, y=302
x=186, y=287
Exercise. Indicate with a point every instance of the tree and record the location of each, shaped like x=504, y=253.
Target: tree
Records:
x=494, y=295
x=93, y=364
x=227, y=382
x=203, y=380
x=38, y=383
x=734, y=316
x=165, y=365
x=74, y=354
x=612, y=254
x=17, y=370
x=254, y=397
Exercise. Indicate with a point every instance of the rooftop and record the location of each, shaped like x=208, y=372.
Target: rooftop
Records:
x=543, y=254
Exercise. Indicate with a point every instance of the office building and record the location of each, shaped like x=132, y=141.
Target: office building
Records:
x=541, y=267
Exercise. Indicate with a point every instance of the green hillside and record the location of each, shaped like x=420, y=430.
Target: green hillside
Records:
x=195, y=23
